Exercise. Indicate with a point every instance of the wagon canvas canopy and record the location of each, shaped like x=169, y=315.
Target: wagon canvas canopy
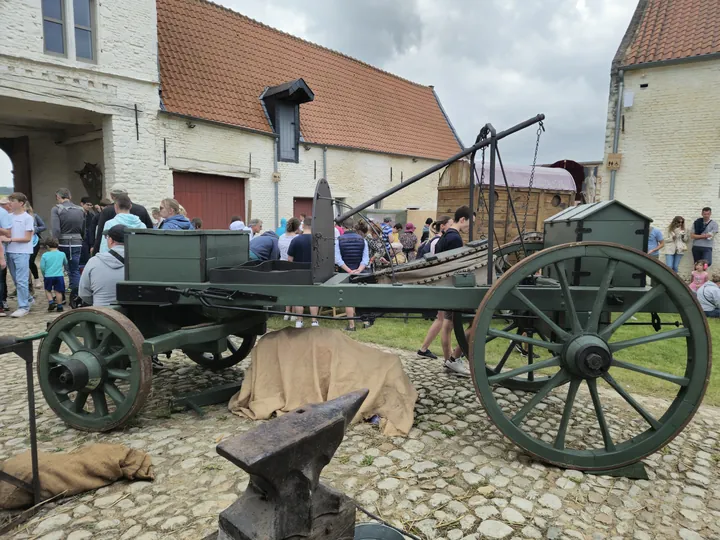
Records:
x=518, y=176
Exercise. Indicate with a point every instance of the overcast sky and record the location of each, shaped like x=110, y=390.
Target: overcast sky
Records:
x=498, y=61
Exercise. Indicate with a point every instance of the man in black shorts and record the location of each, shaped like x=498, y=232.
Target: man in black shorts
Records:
x=451, y=239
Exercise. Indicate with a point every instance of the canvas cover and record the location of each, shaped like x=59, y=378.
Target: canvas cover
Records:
x=90, y=467
x=298, y=366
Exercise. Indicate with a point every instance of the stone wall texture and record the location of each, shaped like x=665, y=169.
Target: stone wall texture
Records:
x=670, y=144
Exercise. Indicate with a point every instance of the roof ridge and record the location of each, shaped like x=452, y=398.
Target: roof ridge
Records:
x=333, y=51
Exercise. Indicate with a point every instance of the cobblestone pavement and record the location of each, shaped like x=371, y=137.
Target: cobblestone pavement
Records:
x=455, y=477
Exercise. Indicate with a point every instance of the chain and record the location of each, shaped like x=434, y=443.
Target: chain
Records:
x=540, y=130
x=481, y=197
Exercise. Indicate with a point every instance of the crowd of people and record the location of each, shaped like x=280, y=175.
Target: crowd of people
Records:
x=86, y=242
x=675, y=243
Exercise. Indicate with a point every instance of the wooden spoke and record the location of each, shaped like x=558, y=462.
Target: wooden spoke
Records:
x=642, y=340
x=558, y=379
x=71, y=341
x=549, y=345
x=681, y=381
x=562, y=334
x=600, y=415
x=114, y=392
x=105, y=342
x=79, y=404
x=640, y=303
x=115, y=356
x=649, y=418
x=508, y=352
x=87, y=331
x=59, y=358
x=550, y=362
x=119, y=374
x=567, y=296
x=594, y=319
x=565, y=420
x=101, y=407
x=511, y=326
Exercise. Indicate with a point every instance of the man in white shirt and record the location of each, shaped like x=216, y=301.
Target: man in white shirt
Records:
x=19, y=251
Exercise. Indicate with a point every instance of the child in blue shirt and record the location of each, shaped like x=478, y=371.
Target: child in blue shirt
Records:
x=52, y=265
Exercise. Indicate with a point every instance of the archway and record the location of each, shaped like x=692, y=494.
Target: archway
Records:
x=18, y=151
x=6, y=172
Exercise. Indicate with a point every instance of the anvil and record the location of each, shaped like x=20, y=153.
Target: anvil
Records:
x=284, y=457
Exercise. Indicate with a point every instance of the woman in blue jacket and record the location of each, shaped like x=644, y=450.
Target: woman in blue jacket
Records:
x=173, y=220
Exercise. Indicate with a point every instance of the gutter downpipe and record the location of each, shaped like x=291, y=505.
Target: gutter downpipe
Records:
x=616, y=138
x=276, y=187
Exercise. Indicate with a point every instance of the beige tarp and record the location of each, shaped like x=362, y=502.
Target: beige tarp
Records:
x=293, y=367
x=88, y=468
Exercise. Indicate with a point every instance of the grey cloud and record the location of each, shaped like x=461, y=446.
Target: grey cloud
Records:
x=489, y=60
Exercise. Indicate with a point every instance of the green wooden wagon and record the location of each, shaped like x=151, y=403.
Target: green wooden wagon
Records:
x=564, y=305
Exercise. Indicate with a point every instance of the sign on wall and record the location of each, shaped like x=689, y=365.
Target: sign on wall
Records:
x=614, y=161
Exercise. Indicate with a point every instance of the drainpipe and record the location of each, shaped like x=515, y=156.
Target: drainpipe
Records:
x=618, y=118
x=276, y=187
x=325, y=163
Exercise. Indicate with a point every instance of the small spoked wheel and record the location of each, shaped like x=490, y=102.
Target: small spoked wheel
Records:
x=92, y=370
x=237, y=350
x=588, y=413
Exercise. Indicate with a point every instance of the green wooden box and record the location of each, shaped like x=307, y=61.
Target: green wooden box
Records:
x=606, y=221
x=182, y=256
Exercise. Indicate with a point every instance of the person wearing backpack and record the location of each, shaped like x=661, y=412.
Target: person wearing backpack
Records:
x=428, y=246
x=408, y=240
x=704, y=230
x=67, y=221
x=98, y=285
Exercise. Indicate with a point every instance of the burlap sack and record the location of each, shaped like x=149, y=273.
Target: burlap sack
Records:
x=90, y=467
x=294, y=367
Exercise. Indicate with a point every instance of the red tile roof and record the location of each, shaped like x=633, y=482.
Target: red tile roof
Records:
x=215, y=63
x=675, y=29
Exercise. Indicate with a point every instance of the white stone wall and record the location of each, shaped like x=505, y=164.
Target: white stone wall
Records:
x=353, y=175
x=72, y=93
x=670, y=145
x=125, y=40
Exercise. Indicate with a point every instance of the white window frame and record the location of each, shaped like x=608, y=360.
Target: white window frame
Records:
x=63, y=25
x=92, y=29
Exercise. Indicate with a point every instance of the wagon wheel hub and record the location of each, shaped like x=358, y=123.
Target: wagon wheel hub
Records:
x=588, y=357
x=84, y=370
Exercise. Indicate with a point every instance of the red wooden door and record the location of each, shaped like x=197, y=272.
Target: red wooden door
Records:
x=302, y=205
x=214, y=199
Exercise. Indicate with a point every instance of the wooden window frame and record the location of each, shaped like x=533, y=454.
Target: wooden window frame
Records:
x=91, y=29
x=62, y=24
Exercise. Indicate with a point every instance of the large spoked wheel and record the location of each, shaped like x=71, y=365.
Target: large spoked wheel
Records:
x=573, y=428
x=237, y=350
x=91, y=369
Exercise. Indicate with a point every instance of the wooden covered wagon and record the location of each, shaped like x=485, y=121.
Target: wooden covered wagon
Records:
x=553, y=190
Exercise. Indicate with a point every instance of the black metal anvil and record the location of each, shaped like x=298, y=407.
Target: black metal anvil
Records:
x=284, y=499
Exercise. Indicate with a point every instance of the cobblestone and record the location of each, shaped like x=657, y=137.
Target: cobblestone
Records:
x=460, y=481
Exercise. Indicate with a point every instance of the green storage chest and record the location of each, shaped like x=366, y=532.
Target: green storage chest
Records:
x=606, y=221
x=182, y=256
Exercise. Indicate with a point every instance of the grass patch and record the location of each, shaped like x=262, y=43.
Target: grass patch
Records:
x=367, y=461
x=668, y=356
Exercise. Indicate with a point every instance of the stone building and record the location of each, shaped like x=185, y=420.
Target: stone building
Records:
x=187, y=98
x=663, y=125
